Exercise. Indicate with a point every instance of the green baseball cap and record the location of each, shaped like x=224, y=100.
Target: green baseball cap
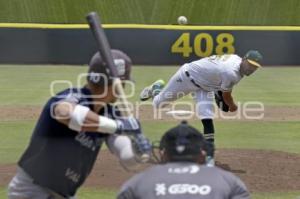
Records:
x=254, y=57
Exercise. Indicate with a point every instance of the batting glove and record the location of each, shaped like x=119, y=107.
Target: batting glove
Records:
x=142, y=144
x=129, y=125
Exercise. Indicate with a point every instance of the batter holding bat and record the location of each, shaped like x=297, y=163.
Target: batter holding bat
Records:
x=209, y=78
x=69, y=134
x=71, y=129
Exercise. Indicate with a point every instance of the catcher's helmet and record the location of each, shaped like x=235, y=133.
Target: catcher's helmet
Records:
x=98, y=74
x=182, y=143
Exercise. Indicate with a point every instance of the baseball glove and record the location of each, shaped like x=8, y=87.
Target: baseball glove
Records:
x=220, y=101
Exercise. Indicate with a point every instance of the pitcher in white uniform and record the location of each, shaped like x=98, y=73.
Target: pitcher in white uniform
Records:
x=204, y=77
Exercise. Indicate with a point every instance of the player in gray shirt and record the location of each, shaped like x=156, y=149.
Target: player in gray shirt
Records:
x=182, y=173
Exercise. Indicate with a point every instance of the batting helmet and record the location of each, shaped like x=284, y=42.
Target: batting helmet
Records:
x=99, y=74
x=182, y=143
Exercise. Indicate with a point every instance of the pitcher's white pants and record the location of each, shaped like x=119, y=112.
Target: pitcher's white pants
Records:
x=180, y=85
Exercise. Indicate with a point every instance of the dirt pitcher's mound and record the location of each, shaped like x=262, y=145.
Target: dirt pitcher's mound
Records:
x=261, y=170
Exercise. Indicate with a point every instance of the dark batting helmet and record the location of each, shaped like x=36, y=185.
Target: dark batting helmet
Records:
x=182, y=143
x=98, y=74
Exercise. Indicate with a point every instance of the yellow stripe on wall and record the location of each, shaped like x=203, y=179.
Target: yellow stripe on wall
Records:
x=144, y=26
x=43, y=26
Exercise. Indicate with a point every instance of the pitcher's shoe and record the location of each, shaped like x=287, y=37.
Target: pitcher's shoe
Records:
x=152, y=90
x=210, y=161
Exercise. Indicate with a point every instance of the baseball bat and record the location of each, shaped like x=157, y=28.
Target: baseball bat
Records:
x=105, y=51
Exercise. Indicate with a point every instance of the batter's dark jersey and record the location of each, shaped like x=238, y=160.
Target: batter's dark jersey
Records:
x=184, y=181
x=57, y=157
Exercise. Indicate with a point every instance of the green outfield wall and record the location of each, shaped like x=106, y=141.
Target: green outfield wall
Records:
x=147, y=44
x=199, y=12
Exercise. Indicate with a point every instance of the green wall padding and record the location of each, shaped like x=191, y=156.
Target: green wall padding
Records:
x=198, y=12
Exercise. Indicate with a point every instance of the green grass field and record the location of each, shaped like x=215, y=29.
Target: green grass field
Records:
x=29, y=85
x=204, y=12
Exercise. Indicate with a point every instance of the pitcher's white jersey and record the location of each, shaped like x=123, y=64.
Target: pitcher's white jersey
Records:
x=216, y=72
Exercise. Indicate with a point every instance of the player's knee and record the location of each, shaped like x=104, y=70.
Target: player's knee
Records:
x=127, y=157
x=160, y=102
x=123, y=147
x=126, y=153
x=205, y=109
x=155, y=102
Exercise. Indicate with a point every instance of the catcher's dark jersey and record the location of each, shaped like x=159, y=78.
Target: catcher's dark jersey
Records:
x=57, y=157
x=186, y=181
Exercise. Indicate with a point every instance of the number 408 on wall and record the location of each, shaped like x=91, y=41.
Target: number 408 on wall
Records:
x=204, y=44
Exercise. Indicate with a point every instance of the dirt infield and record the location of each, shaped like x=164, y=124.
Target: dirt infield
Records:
x=275, y=113
x=9, y=113
x=262, y=171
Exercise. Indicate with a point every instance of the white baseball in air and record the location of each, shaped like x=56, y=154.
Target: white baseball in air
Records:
x=182, y=20
x=179, y=113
